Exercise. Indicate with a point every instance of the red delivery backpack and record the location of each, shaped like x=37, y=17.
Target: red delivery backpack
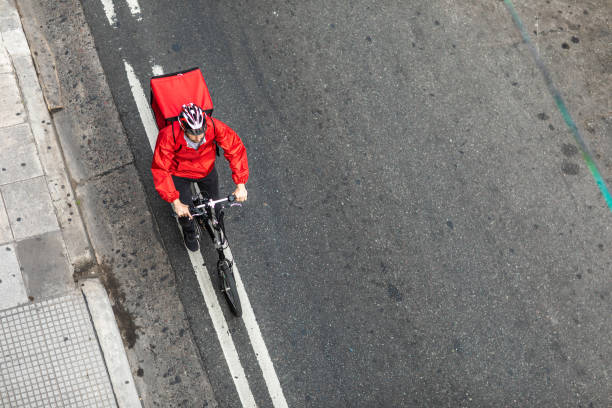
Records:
x=170, y=92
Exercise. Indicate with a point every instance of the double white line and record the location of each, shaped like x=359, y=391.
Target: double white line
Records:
x=109, y=10
x=210, y=295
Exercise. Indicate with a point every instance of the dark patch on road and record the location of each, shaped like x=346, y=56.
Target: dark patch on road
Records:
x=569, y=168
x=543, y=116
x=569, y=150
x=450, y=224
x=457, y=346
x=394, y=293
x=565, y=46
x=555, y=346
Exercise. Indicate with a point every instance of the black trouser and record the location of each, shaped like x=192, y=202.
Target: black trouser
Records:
x=209, y=186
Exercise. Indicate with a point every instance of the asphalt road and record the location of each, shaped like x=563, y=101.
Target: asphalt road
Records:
x=421, y=229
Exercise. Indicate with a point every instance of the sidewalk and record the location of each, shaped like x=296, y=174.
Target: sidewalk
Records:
x=59, y=342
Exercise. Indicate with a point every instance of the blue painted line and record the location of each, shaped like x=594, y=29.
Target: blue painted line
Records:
x=586, y=155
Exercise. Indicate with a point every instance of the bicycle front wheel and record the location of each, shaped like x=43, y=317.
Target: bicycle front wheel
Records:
x=228, y=286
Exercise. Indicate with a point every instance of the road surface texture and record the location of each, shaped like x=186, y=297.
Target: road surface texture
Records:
x=422, y=227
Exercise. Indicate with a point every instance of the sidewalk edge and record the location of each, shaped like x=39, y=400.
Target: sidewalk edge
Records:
x=76, y=240
x=103, y=319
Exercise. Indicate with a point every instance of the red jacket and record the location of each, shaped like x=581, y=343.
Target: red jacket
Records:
x=172, y=156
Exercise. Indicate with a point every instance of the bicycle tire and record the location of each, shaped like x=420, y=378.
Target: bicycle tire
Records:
x=228, y=287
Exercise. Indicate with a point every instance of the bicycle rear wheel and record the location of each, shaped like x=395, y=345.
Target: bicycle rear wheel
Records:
x=228, y=286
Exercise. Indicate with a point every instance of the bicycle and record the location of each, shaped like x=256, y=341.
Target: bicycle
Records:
x=203, y=210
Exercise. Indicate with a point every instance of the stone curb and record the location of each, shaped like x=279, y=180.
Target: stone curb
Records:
x=110, y=342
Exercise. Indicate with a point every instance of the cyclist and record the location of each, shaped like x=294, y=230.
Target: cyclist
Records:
x=185, y=153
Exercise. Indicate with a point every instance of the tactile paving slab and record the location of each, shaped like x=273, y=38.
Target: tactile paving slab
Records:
x=50, y=357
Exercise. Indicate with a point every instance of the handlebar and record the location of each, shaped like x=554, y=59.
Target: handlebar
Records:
x=197, y=210
x=211, y=203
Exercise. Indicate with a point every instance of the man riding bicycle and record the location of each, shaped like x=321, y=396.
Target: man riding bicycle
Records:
x=185, y=153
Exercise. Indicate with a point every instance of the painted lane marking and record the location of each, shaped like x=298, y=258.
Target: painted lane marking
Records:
x=586, y=154
x=134, y=9
x=157, y=70
x=109, y=10
x=146, y=115
x=220, y=325
x=259, y=346
x=111, y=15
x=210, y=296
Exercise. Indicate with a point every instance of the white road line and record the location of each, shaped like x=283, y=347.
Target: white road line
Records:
x=109, y=10
x=219, y=322
x=157, y=70
x=220, y=325
x=146, y=115
x=259, y=346
x=134, y=9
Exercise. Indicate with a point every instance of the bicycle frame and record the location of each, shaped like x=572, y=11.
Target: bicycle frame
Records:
x=207, y=218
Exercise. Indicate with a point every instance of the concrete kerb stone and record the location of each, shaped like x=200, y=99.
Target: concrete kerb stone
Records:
x=111, y=344
x=62, y=195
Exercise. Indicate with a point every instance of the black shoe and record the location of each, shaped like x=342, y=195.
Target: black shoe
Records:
x=191, y=240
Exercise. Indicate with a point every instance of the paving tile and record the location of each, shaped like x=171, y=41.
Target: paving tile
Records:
x=6, y=235
x=29, y=208
x=12, y=111
x=7, y=9
x=12, y=289
x=18, y=156
x=15, y=41
x=9, y=23
x=44, y=266
x=50, y=357
x=5, y=62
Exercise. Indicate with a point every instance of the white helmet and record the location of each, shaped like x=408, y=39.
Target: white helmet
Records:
x=192, y=119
